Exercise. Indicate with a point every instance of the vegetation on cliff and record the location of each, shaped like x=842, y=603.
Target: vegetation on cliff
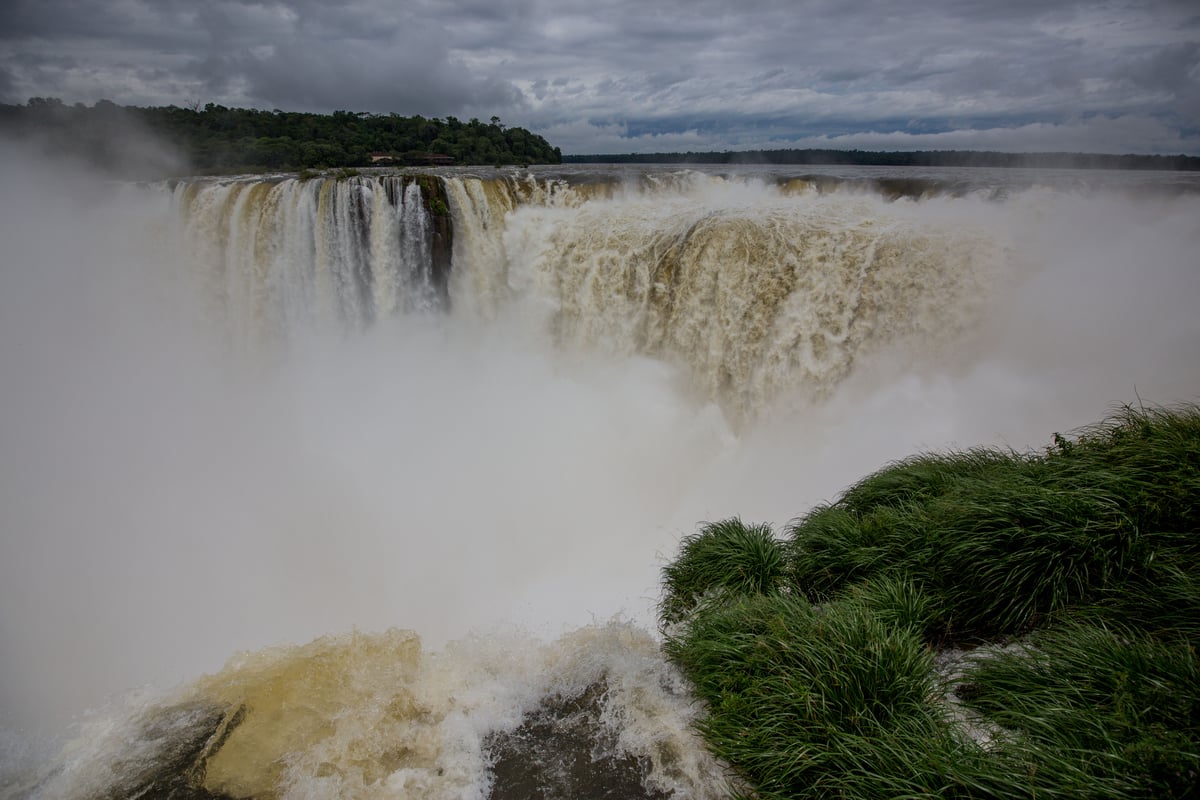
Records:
x=218, y=139
x=980, y=624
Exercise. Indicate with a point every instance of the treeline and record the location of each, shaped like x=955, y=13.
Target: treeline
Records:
x=216, y=139
x=917, y=158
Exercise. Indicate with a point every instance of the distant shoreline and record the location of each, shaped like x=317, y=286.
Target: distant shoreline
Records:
x=915, y=158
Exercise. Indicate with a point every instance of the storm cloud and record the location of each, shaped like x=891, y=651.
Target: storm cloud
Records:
x=630, y=76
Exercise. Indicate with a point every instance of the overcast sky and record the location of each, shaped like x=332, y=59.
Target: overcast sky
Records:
x=618, y=76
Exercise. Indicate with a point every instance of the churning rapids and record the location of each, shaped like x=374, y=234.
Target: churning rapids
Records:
x=360, y=488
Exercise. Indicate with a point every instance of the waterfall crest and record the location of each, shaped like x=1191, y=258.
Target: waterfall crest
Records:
x=280, y=256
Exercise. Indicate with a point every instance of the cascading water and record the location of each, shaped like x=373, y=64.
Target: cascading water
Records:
x=756, y=292
x=232, y=426
x=758, y=295
x=286, y=256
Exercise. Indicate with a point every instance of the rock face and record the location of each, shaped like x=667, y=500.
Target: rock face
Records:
x=433, y=190
x=564, y=749
x=164, y=756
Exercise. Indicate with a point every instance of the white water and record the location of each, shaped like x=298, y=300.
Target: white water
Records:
x=523, y=466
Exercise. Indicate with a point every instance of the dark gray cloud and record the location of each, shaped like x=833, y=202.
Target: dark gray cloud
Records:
x=7, y=94
x=626, y=75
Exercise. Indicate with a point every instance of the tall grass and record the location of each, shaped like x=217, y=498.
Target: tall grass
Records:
x=1006, y=540
x=1161, y=597
x=816, y=703
x=816, y=661
x=1089, y=706
x=723, y=558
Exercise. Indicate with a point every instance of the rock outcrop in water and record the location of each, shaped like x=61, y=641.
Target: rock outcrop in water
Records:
x=163, y=755
x=564, y=749
x=433, y=192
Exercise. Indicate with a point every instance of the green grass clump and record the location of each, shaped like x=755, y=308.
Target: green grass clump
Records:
x=1093, y=711
x=836, y=547
x=1003, y=556
x=1007, y=540
x=817, y=703
x=727, y=557
x=1077, y=566
x=897, y=602
x=1162, y=597
x=927, y=476
x=1152, y=456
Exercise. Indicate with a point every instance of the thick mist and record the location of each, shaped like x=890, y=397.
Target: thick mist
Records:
x=167, y=500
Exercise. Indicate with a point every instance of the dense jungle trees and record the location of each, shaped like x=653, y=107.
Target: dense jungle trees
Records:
x=219, y=139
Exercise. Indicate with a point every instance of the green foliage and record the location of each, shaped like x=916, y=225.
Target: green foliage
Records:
x=1004, y=540
x=1011, y=553
x=819, y=683
x=921, y=478
x=807, y=703
x=1152, y=457
x=217, y=139
x=724, y=557
x=1162, y=597
x=1094, y=711
x=895, y=601
x=834, y=547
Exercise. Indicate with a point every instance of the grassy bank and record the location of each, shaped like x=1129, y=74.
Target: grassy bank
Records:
x=1058, y=591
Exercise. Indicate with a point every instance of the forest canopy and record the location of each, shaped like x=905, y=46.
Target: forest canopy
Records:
x=216, y=139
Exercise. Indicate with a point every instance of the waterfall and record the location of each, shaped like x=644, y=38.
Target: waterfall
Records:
x=370, y=480
x=758, y=291
x=279, y=256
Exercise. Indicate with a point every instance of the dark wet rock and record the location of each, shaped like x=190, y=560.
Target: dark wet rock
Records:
x=564, y=750
x=433, y=192
x=168, y=751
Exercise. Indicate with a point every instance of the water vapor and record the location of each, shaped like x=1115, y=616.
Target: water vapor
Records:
x=169, y=496
x=169, y=499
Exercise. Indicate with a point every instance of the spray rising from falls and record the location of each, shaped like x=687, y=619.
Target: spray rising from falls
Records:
x=462, y=415
x=757, y=292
